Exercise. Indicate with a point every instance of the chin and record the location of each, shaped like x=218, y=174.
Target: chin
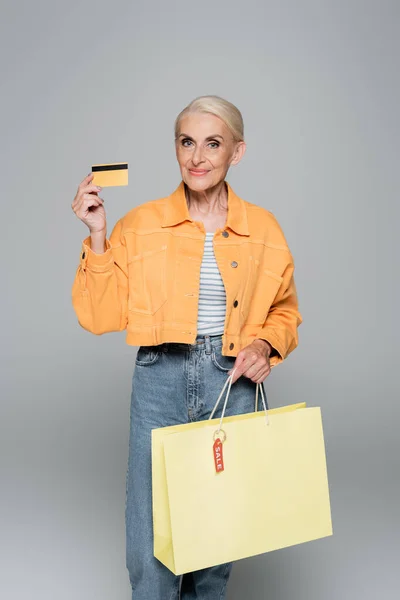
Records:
x=199, y=184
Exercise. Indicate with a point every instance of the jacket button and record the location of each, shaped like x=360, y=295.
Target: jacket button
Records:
x=83, y=254
x=234, y=263
x=231, y=346
x=235, y=303
x=225, y=233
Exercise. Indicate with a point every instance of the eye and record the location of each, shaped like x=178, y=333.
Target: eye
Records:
x=184, y=141
x=216, y=145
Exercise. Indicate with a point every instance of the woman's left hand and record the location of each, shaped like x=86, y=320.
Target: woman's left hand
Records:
x=252, y=361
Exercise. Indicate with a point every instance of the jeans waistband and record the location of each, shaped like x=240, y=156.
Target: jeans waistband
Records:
x=202, y=342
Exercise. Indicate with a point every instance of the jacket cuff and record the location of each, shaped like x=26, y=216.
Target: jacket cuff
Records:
x=96, y=262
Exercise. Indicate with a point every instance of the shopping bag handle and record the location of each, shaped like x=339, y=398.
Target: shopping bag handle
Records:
x=229, y=381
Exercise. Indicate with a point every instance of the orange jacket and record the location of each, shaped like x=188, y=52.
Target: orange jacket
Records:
x=147, y=280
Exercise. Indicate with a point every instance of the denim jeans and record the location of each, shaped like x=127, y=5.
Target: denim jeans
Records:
x=173, y=383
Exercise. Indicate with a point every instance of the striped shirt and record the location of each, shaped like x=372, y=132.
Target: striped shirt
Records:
x=212, y=297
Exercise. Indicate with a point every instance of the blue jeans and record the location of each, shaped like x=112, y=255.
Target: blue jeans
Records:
x=173, y=383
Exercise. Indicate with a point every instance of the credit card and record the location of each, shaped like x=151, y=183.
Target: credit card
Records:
x=110, y=174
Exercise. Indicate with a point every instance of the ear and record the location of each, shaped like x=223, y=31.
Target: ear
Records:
x=238, y=153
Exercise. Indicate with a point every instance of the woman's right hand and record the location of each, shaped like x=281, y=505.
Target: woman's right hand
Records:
x=88, y=207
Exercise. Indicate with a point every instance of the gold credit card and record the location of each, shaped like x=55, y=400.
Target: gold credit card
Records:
x=110, y=174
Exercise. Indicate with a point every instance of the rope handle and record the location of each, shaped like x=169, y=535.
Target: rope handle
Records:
x=229, y=381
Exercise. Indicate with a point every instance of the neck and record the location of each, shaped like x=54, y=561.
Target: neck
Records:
x=212, y=200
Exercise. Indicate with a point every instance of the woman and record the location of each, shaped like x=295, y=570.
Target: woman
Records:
x=202, y=281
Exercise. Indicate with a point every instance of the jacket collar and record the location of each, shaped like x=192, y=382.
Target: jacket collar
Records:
x=176, y=210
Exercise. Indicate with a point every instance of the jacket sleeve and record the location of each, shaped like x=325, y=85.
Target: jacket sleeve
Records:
x=100, y=287
x=283, y=319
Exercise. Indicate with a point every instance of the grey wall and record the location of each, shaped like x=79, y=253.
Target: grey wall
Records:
x=88, y=82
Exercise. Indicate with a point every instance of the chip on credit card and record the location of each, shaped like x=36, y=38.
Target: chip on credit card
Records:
x=110, y=174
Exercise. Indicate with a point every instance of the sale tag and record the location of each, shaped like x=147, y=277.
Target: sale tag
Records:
x=218, y=456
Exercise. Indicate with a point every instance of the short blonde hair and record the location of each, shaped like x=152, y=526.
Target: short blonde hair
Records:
x=215, y=105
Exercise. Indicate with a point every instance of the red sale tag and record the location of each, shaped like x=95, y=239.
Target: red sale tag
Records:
x=218, y=457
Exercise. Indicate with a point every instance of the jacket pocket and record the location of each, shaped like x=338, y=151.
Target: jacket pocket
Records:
x=259, y=292
x=147, y=281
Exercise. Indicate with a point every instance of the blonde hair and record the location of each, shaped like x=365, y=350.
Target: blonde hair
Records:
x=215, y=105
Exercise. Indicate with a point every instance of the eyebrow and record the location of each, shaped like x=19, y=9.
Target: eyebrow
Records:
x=210, y=137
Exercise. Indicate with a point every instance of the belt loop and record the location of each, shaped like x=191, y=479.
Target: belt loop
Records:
x=208, y=343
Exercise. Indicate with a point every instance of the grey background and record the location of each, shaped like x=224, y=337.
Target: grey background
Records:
x=89, y=82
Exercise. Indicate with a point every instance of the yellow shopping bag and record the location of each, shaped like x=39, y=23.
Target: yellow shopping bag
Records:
x=234, y=487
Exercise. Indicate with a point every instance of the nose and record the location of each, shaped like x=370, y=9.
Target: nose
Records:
x=197, y=156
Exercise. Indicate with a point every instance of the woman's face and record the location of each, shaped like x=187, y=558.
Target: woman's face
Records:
x=205, y=150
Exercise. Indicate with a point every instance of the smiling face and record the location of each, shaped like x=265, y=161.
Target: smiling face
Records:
x=205, y=149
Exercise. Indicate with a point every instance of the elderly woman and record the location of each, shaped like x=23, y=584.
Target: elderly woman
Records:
x=202, y=281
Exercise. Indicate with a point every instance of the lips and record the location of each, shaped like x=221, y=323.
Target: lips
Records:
x=198, y=172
